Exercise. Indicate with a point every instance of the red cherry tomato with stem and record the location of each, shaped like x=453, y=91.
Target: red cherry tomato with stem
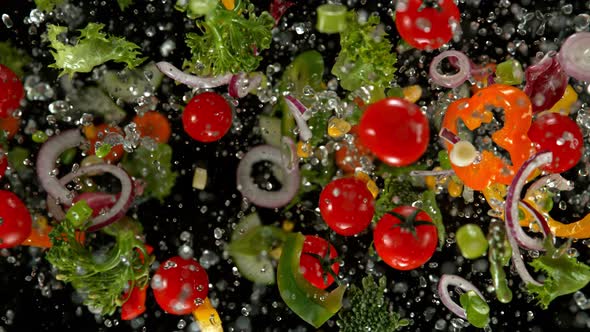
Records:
x=318, y=265
x=15, y=220
x=207, y=117
x=347, y=206
x=180, y=285
x=405, y=238
x=560, y=135
x=11, y=91
x=395, y=130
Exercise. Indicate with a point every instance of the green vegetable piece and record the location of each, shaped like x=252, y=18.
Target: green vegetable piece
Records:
x=313, y=305
x=17, y=157
x=48, y=5
x=123, y=4
x=128, y=85
x=79, y=213
x=229, y=41
x=318, y=124
x=39, y=136
x=103, y=150
x=443, y=158
x=93, y=48
x=471, y=241
x=67, y=158
x=155, y=167
x=397, y=190
x=509, y=72
x=331, y=18
x=270, y=130
x=476, y=308
x=430, y=206
x=396, y=92
x=103, y=275
x=196, y=8
x=369, y=309
x=564, y=275
x=257, y=240
x=313, y=178
x=93, y=100
x=13, y=58
x=366, y=57
x=499, y=254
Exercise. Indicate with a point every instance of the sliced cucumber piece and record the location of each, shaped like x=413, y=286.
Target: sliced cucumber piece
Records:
x=128, y=85
x=257, y=269
x=270, y=128
x=245, y=225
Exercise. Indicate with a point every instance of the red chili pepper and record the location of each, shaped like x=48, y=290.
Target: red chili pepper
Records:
x=135, y=305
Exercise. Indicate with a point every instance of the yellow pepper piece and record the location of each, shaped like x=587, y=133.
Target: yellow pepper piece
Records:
x=303, y=150
x=412, y=93
x=430, y=182
x=229, y=4
x=564, y=105
x=207, y=317
x=288, y=225
x=455, y=188
x=338, y=127
x=371, y=185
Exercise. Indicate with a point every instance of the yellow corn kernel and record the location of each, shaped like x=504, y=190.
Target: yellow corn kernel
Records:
x=564, y=105
x=455, y=188
x=303, y=150
x=288, y=225
x=412, y=93
x=229, y=4
x=207, y=317
x=338, y=127
x=430, y=182
x=371, y=185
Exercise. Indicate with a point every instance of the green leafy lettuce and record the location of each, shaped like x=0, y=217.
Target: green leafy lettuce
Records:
x=366, y=56
x=123, y=4
x=564, y=275
x=229, y=41
x=13, y=58
x=155, y=167
x=369, y=309
x=92, y=49
x=48, y=5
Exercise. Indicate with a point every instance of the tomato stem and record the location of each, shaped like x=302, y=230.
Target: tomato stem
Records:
x=326, y=263
x=409, y=223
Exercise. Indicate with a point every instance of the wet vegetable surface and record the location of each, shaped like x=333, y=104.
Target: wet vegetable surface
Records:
x=32, y=300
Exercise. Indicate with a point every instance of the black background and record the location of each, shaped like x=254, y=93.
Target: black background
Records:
x=200, y=213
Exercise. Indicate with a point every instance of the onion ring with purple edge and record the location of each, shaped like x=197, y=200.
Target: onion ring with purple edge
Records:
x=573, y=56
x=450, y=81
x=297, y=109
x=447, y=280
x=241, y=84
x=290, y=182
x=191, y=80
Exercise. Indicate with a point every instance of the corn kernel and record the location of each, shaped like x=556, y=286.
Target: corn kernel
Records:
x=338, y=127
x=430, y=182
x=455, y=188
x=371, y=185
x=412, y=93
x=303, y=149
x=564, y=105
x=288, y=225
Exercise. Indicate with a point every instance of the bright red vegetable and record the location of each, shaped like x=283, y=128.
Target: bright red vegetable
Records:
x=135, y=304
x=15, y=220
x=207, y=117
x=405, y=238
x=11, y=91
x=426, y=28
x=3, y=165
x=395, y=130
x=545, y=83
x=562, y=136
x=316, y=264
x=180, y=285
x=348, y=159
x=155, y=125
x=347, y=206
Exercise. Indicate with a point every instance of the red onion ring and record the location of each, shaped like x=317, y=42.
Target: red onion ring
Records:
x=290, y=183
x=447, y=280
x=241, y=84
x=297, y=109
x=513, y=198
x=46, y=160
x=97, y=201
x=450, y=81
x=191, y=80
x=444, y=172
x=541, y=221
x=573, y=56
x=449, y=136
x=554, y=180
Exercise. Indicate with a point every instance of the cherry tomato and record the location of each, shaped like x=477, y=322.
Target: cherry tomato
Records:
x=10, y=125
x=11, y=91
x=407, y=240
x=95, y=133
x=347, y=206
x=15, y=220
x=315, y=264
x=348, y=157
x=395, y=130
x=3, y=164
x=426, y=28
x=207, y=117
x=154, y=125
x=560, y=135
x=135, y=304
x=180, y=285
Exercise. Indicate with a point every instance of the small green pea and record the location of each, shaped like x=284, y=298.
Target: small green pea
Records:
x=79, y=213
x=39, y=136
x=471, y=240
x=103, y=150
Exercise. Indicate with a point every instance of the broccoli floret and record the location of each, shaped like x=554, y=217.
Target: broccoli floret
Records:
x=397, y=190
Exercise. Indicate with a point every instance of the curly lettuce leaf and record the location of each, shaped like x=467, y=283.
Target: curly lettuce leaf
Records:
x=93, y=48
x=155, y=167
x=564, y=275
x=229, y=41
x=366, y=56
x=48, y=5
x=13, y=58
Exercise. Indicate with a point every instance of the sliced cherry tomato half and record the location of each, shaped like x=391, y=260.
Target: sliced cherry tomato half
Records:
x=317, y=265
x=207, y=117
x=155, y=125
x=96, y=133
x=11, y=91
x=15, y=220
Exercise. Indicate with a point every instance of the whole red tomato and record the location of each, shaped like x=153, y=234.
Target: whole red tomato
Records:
x=207, y=117
x=405, y=238
x=316, y=265
x=347, y=206
x=11, y=91
x=426, y=28
x=15, y=220
x=180, y=285
x=395, y=130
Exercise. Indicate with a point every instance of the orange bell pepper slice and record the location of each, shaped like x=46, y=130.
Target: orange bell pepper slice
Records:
x=512, y=137
x=207, y=317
